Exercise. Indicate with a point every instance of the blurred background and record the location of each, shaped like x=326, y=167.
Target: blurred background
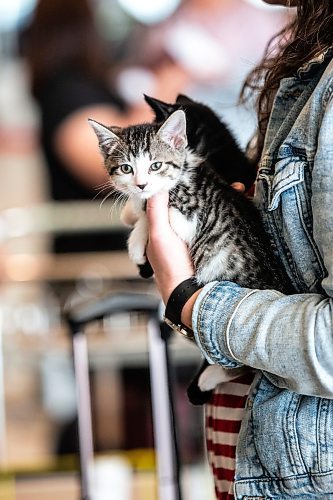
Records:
x=62, y=61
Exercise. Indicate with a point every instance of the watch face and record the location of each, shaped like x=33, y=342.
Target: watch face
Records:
x=182, y=329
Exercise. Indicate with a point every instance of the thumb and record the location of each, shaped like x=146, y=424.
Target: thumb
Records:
x=158, y=212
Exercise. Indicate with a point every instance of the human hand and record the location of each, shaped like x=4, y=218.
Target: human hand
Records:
x=166, y=252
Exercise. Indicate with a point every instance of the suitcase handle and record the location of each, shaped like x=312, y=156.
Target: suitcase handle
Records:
x=117, y=303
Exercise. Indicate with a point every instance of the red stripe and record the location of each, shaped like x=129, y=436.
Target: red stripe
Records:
x=222, y=473
x=222, y=495
x=229, y=401
x=222, y=425
x=223, y=450
x=226, y=401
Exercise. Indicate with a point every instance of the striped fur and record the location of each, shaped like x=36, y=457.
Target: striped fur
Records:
x=227, y=240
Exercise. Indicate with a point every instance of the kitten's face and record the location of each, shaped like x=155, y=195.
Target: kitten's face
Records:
x=143, y=172
x=144, y=160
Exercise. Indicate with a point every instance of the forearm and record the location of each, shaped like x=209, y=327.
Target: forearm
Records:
x=287, y=337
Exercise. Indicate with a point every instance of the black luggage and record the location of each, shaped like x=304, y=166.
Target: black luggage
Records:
x=162, y=401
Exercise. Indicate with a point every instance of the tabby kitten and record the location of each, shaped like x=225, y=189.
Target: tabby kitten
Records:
x=221, y=227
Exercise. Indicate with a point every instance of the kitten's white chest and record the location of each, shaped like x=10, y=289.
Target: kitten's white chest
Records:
x=185, y=228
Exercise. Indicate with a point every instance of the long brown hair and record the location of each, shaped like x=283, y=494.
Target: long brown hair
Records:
x=308, y=34
x=63, y=34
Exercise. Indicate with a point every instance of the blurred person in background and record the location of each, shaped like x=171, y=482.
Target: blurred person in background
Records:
x=71, y=79
x=269, y=432
x=69, y=75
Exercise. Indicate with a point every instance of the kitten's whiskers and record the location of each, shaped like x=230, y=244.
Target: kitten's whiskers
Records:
x=119, y=203
x=102, y=188
x=110, y=193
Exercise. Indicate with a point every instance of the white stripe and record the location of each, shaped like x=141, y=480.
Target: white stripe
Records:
x=222, y=437
x=224, y=486
x=223, y=413
x=233, y=388
x=221, y=461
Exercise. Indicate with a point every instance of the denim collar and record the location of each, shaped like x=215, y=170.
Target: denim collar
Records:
x=308, y=69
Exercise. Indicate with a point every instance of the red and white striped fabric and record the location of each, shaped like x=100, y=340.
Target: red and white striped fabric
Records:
x=224, y=414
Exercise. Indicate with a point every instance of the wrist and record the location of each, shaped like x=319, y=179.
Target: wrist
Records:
x=167, y=286
x=186, y=313
x=183, y=295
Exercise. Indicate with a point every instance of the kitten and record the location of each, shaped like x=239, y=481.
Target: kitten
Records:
x=221, y=227
x=209, y=138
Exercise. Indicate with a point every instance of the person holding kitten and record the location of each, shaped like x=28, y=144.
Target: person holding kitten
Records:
x=282, y=445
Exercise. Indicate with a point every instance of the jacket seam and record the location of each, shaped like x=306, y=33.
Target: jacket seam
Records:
x=286, y=478
x=230, y=321
x=200, y=312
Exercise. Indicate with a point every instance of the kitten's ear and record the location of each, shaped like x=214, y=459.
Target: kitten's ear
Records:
x=106, y=138
x=173, y=130
x=183, y=99
x=161, y=109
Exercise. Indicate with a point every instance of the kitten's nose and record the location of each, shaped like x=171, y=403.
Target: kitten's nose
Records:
x=142, y=186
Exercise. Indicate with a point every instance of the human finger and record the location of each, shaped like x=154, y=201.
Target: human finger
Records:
x=158, y=211
x=238, y=186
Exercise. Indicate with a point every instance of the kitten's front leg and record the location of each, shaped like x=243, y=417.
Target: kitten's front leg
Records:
x=129, y=214
x=137, y=242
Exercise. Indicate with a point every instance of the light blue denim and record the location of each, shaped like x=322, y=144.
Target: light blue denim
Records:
x=285, y=447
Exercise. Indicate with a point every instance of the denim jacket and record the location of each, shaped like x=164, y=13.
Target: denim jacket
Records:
x=285, y=446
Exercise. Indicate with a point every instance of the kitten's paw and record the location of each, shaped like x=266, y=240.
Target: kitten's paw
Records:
x=145, y=270
x=196, y=396
x=216, y=374
x=137, y=255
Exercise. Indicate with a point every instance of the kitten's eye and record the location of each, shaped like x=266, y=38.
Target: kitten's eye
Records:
x=126, y=169
x=155, y=166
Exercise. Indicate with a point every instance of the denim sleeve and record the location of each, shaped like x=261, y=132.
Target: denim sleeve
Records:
x=289, y=338
x=322, y=195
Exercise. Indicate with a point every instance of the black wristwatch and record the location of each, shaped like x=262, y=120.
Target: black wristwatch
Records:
x=175, y=304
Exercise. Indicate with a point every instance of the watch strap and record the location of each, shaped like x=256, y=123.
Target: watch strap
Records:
x=175, y=304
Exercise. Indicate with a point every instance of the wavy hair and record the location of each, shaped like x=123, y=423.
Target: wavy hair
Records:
x=308, y=34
